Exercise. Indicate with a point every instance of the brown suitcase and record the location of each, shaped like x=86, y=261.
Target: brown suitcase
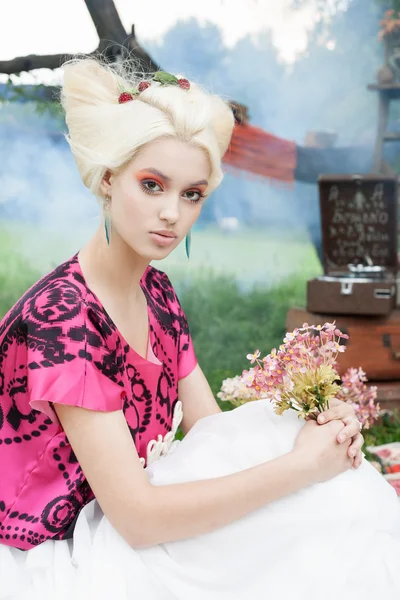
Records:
x=347, y=296
x=388, y=394
x=359, y=237
x=374, y=342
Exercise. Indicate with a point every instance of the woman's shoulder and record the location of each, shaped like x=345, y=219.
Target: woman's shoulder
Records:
x=56, y=298
x=164, y=301
x=154, y=278
x=158, y=288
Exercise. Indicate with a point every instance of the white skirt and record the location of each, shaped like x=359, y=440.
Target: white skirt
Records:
x=339, y=539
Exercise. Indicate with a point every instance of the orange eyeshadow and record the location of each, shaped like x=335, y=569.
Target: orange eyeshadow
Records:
x=143, y=175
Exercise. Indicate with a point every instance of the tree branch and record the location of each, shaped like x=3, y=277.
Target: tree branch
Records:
x=113, y=36
x=114, y=42
x=106, y=20
x=33, y=61
x=45, y=61
x=55, y=61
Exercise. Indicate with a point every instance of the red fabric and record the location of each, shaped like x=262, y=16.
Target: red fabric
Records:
x=255, y=151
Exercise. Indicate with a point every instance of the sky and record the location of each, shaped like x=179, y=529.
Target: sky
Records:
x=55, y=26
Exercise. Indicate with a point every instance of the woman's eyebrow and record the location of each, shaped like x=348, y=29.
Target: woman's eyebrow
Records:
x=201, y=182
x=166, y=178
x=155, y=172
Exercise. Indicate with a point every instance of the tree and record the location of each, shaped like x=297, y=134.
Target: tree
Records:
x=286, y=104
x=113, y=39
x=325, y=8
x=390, y=4
x=331, y=77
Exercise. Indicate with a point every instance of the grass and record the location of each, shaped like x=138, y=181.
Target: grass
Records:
x=252, y=257
x=384, y=431
x=16, y=274
x=235, y=290
x=227, y=321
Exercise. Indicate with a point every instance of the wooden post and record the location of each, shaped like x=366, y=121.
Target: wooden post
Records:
x=383, y=114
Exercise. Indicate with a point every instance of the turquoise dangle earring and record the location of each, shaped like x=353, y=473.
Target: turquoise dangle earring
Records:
x=188, y=243
x=107, y=218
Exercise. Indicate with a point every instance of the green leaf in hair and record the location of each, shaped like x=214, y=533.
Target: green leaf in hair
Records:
x=165, y=78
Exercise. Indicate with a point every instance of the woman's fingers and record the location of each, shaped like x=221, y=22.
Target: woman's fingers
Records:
x=351, y=430
x=340, y=411
x=355, y=450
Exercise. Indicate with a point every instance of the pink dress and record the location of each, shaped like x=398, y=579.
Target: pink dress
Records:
x=58, y=345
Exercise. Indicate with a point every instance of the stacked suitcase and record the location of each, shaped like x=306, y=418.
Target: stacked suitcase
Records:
x=358, y=289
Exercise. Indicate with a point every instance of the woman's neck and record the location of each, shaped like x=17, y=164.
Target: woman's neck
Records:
x=112, y=268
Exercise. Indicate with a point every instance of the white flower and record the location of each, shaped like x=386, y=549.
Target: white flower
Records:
x=235, y=390
x=253, y=357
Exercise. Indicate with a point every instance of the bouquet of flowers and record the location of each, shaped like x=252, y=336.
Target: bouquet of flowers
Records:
x=302, y=375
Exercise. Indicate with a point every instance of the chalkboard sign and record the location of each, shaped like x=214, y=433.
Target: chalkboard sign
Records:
x=358, y=220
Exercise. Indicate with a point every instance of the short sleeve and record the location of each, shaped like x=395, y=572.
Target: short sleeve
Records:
x=70, y=359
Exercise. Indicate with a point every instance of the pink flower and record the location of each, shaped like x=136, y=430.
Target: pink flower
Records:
x=303, y=351
x=253, y=357
x=290, y=336
x=276, y=396
x=360, y=396
x=331, y=327
x=248, y=377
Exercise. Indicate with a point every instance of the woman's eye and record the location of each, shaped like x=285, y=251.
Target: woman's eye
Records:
x=194, y=196
x=151, y=185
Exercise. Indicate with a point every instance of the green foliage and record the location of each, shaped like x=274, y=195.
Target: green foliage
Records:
x=389, y=4
x=36, y=94
x=342, y=58
x=228, y=322
x=16, y=276
x=384, y=431
x=326, y=8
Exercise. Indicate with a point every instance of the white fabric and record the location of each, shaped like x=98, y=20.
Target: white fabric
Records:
x=162, y=445
x=339, y=539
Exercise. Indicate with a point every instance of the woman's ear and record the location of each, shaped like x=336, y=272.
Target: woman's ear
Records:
x=106, y=184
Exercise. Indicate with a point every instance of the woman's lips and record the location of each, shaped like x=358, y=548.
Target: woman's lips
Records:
x=163, y=240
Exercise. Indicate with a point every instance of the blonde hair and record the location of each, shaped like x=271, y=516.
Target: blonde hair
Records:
x=105, y=135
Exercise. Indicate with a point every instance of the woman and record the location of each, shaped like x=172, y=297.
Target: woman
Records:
x=98, y=370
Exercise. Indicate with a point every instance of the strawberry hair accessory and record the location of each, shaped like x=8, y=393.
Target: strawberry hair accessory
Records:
x=184, y=84
x=160, y=77
x=125, y=97
x=143, y=85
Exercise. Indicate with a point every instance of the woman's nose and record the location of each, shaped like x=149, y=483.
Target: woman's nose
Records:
x=170, y=209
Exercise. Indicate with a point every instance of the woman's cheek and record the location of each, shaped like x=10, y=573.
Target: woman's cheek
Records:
x=133, y=206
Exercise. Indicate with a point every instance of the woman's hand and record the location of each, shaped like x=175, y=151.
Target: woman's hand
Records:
x=319, y=451
x=341, y=411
